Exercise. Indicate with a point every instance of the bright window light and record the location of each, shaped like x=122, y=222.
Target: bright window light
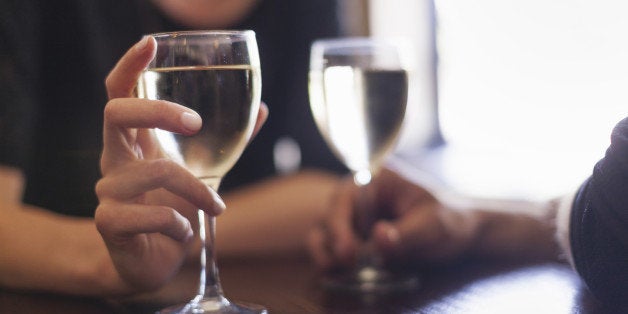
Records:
x=545, y=80
x=528, y=90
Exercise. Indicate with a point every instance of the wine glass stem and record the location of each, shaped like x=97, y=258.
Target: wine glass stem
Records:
x=364, y=220
x=364, y=215
x=209, y=286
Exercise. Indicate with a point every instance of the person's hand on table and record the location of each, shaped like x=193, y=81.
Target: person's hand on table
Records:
x=148, y=202
x=415, y=227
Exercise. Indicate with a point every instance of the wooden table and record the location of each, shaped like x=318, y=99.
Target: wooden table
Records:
x=290, y=285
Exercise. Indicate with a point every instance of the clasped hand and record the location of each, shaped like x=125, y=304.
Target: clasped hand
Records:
x=415, y=227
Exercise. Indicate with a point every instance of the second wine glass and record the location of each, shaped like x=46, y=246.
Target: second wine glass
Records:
x=217, y=74
x=358, y=94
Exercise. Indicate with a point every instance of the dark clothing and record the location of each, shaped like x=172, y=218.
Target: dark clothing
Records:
x=55, y=55
x=599, y=223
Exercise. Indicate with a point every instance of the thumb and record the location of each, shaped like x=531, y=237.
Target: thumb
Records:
x=122, y=79
x=387, y=238
x=415, y=232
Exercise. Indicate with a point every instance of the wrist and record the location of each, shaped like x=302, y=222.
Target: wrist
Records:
x=520, y=236
x=109, y=281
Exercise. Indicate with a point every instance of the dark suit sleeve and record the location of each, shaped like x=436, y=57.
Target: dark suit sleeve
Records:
x=599, y=223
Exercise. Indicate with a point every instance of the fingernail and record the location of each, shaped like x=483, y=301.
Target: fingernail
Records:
x=142, y=43
x=191, y=121
x=219, y=202
x=392, y=234
x=189, y=236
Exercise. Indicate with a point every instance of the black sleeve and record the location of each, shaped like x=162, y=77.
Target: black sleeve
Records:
x=599, y=223
x=18, y=79
x=311, y=20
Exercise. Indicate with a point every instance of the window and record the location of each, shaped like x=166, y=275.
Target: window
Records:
x=528, y=91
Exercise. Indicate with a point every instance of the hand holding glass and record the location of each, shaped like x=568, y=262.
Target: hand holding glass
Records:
x=217, y=74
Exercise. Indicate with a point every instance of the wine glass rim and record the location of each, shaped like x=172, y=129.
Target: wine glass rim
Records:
x=219, y=32
x=342, y=42
x=382, y=49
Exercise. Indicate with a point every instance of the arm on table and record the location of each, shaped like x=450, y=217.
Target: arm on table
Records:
x=60, y=254
x=421, y=228
x=47, y=251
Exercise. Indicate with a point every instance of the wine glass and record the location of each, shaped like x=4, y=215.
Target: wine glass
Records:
x=217, y=74
x=358, y=94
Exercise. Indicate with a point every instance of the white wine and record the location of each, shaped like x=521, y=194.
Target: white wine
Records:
x=359, y=112
x=226, y=98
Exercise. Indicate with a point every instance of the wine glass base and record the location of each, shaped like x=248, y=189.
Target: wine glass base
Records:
x=371, y=280
x=220, y=306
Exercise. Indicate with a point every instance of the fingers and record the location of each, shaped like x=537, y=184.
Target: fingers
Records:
x=333, y=243
x=147, y=243
x=340, y=223
x=119, y=222
x=262, y=115
x=318, y=242
x=127, y=113
x=122, y=79
x=417, y=227
x=137, y=178
x=387, y=237
x=123, y=117
x=415, y=231
x=427, y=233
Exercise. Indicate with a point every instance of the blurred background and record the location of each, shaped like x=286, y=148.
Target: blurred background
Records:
x=508, y=98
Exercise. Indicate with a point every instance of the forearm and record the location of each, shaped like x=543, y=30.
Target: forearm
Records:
x=517, y=235
x=274, y=217
x=48, y=252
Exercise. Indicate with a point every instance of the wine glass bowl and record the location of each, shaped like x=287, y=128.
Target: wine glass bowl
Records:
x=217, y=74
x=219, y=78
x=358, y=91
